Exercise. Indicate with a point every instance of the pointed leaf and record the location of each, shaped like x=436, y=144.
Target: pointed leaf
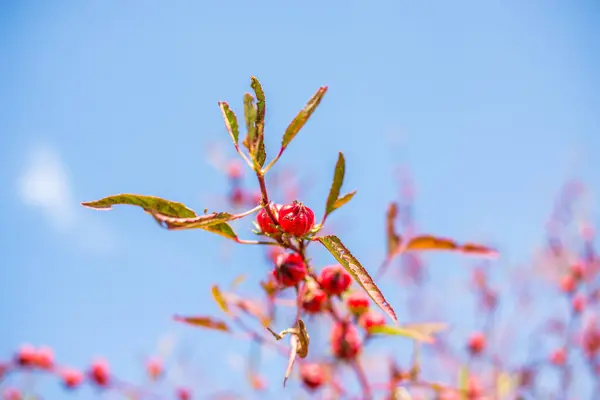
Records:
x=429, y=242
x=343, y=200
x=148, y=203
x=219, y=299
x=401, y=331
x=393, y=239
x=223, y=229
x=205, y=322
x=237, y=281
x=250, y=117
x=231, y=122
x=427, y=328
x=336, y=185
x=198, y=222
x=259, y=152
x=358, y=272
x=302, y=117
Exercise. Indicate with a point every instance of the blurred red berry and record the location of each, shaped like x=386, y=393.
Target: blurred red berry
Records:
x=474, y=388
x=296, y=219
x=357, y=302
x=26, y=356
x=264, y=221
x=558, y=357
x=476, y=343
x=183, y=394
x=154, y=368
x=578, y=303
x=567, y=284
x=72, y=378
x=99, y=372
x=11, y=393
x=370, y=319
x=577, y=271
x=314, y=299
x=44, y=357
x=235, y=170
x=237, y=196
x=334, y=279
x=345, y=341
x=312, y=375
x=290, y=269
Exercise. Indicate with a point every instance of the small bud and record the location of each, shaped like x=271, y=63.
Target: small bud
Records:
x=235, y=170
x=44, y=358
x=568, y=284
x=71, y=378
x=99, y=372
x=290, y=270
x=558, y=357
x=154, y=368
x=314, y=299
x=264, y=221
x=296, y=219
x=26, y=356
x=477, y=343
x=578, y=304
x=370, y=319
x=237, y=196
x=357, y=302
x=577, y=271
x=312, y=375
x=183, y=394
x=345, y=342
x=334, y=279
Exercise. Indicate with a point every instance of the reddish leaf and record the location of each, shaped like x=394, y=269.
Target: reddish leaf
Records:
x=358, y=272
x=150, y=204
x=205, y=322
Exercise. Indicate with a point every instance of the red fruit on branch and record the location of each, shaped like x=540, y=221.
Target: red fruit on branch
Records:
x=314, y=299
x=154, y=368
x=99, y=372
x=235, y=170
x=312, y=375
x=264, y=221
x=290, y=269
x=44, y=357
x=370, y=319
x=183, y=394
x=577, y=271
x=558, y=357
x=345, y=341
x=578, y=304
x=334, y=279
x=296, y=219
x=71, y=378
x=357, y=303
x=568, y=284
x=476, y=343
x=26, y=356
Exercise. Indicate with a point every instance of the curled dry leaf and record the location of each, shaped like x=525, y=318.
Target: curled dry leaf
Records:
x=358, y=272
x=205, y=322
x=299, y=342
x=393, y=239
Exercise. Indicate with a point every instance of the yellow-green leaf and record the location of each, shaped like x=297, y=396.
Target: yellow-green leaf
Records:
x=231, y=122
x=219, y=299
x=148, y=203
x=223, y=229
x=336, y=185
x=343, y=200
x=300, y=120
x=357, y=271
x=401, y=331
x=205, y=322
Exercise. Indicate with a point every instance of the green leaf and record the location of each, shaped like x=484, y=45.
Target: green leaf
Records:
x=343, y=200
x=259, y=152
x=223, y=229
x=401, y=331
x=336, y=185
x=358, y=272
x=198, y=222
x=302, y=117
x=250, y=117
x=231, y=122
x=205, y=322
x=150, y=204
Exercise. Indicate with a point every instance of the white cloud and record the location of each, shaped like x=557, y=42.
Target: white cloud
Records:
x=44, y=185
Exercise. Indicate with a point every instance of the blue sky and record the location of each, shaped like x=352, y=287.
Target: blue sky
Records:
x=492, y=105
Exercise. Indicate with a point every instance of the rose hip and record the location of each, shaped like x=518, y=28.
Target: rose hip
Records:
x=334, y=279
x=290, y=270
x=296, y=219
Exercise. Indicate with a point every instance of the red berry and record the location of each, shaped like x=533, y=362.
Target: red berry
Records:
x=578, y=304
x=345, y=342
x=11, y=394
x=312, y=375
x=577, y=271
x=154, y=368
x=235, y=170
x=99, y=372
x=26, y=356
x=237, y=196
x=264, y=221
x=558, y=357
x=568, y=284
x=290, y=269
x=370, y=319
x=357, y=302
x=477, y=343
x=183, y=394
x=71, y=378
x=334, y=279
x=44, y=357
x=314, y=300
x=296, y=219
